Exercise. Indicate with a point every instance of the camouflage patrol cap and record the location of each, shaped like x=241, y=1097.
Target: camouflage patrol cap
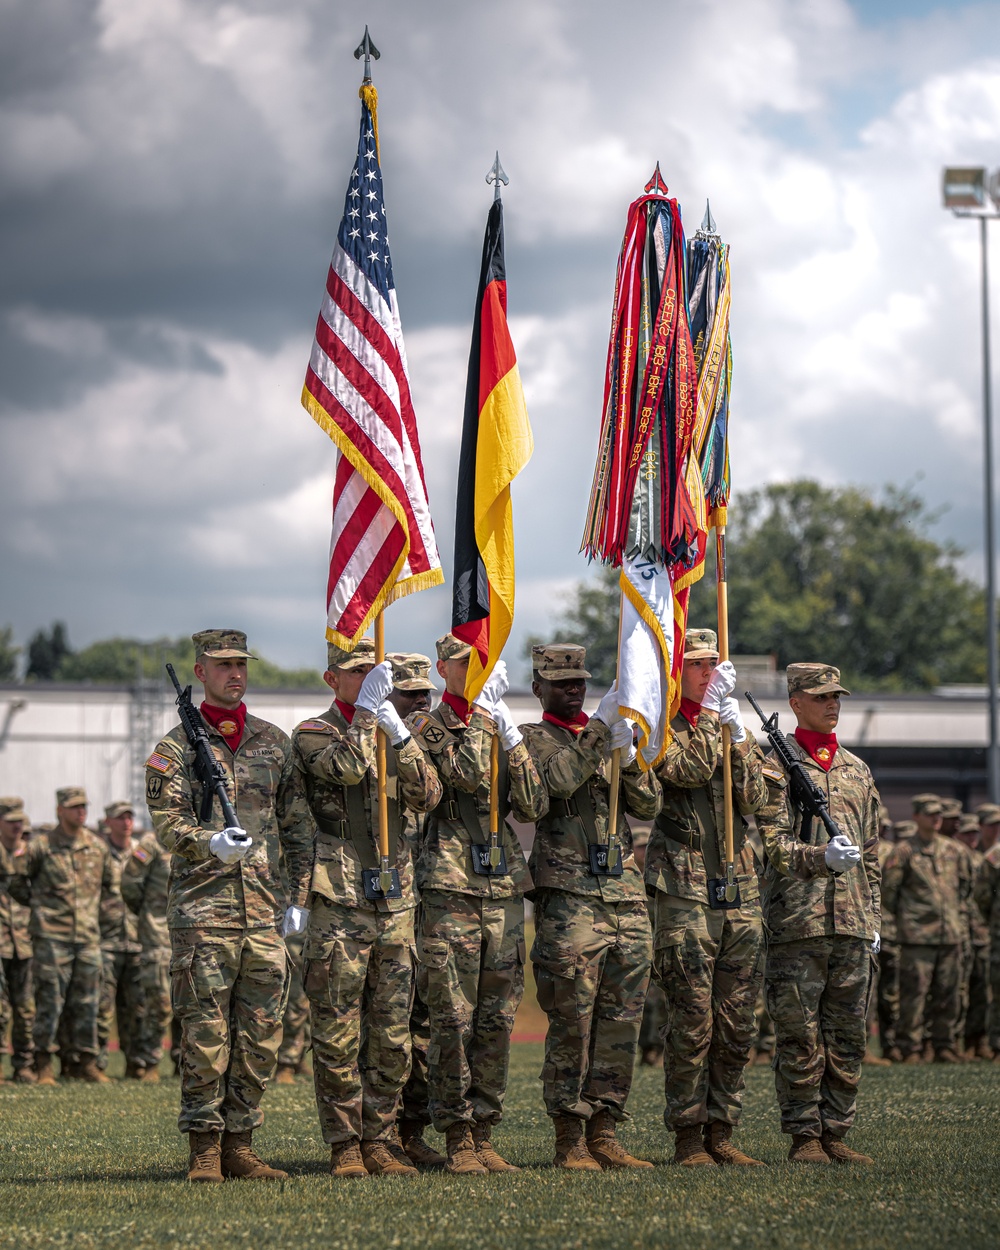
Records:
x=701, y=644
x=927, y=805
x=559, y=661
x=12, y=807
x=904, y=829
x=988, y=814
x=361, y=657
x=121, y=808
x=950, y=808
x=221, y=644
x=71, y=796
x=814, y=679
x=411, y=670
x=451, y=648
x=967, y=823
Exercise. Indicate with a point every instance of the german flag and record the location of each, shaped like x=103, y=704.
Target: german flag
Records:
x=496, y=445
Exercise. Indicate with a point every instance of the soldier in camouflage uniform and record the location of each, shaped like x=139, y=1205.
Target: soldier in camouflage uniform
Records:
x=887, y=988
x=654, y=1009
x=358, y=956
x=973, y=1017
x=951, y=814
x=708, y=960
x=471, y=942
x=145, y=880
x=66, y=877
x=295, y=1029
x=225, y=905
x=986, y=895
x=592, y=946
x=822, y=912
x=17, y=997
x=927, y=886
x=122, y=999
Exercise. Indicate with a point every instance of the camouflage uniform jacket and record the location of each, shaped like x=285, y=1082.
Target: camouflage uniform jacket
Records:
x=979, y=930
x=119, y=928
x=888, y=930
x=145, y=881
x=801, y=897
x=693, y=816
x=461, y=755
x=333, y=758
x=927, y=889
x=65, y=881
x=266, y=791
x=15, y=919
x=986, y=892
x=566, y=763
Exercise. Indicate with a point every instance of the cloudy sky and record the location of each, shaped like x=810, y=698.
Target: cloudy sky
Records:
x=172, y=174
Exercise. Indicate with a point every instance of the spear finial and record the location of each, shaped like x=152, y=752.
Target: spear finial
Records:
x=496, y=176
x=368, y=50
x=708, y=225
x=656, y=185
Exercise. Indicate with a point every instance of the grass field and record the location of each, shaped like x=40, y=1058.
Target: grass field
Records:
x=87, y=1166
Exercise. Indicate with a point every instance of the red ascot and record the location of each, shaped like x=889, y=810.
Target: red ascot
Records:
x=575, y=726
x=820, y=747
x=228, y=721
x=690, y=711
x=458, y=705
x=346, y=710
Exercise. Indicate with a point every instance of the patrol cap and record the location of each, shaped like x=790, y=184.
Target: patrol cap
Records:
x=71, y=796
x=559, y=661
x=904, y=829
x=221, y=644
x=411, y=670
x=967, y=823
x=362, y=655
x=814, y=679
x=701, y=644
x=927, y=805
x=883, y=816
x=121, y=808
x=986, y=814
x=12, y=807
x=950, y=808
x=451, y=648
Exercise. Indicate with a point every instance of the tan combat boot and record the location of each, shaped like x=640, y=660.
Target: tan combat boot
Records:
x=203, y=1162
x=913, y=1058
x=807, y=1150
x=839, y=1151
x=411, y=1133
x=719, y=1145
x=134, y=1071
x=983, y=1050
x=462, y=1157
x=946, y=1055
x=875, y=1061
x=25, y=1076
x=44, y=1073
x=605, y=1147
x=151, y=1076
x=571, y=1145
x=286, y=1074
x=346, y=1161
x=689, y=1150
x=380, y=1160
x=240, y=1162
x=89, y=1071
x=485, y=1153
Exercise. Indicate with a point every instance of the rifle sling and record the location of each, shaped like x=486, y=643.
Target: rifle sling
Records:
x=355, y=828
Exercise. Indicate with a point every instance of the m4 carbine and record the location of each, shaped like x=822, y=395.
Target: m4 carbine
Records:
x=211, y=774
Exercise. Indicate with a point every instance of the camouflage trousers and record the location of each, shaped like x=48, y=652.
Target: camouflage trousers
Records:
x=17, y=1010
x=416, y=1097
x=471, y=976
x=154, y=978
x=887, y=996
x=295, y=1026
x=709, y=965
x=591, y=961
x=817, y=994
x=993, y=1030
x=122, y=1001
x=358, y=973
x=67, y=988
x=975, y=1003
x=930, y=990
x=228, y=991
x=763, y=1025
x=654, y=1019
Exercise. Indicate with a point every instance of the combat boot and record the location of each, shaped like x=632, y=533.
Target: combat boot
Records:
x=381, y=1160
x=462, y=1157
x=91, y=1073
x=286, y=1074
x=203, y=1162
x=605, y=1147
x=411, y=1133
x=24, y=1076
x=571, y=1145
x=946, y=1055
x=689, y=1150
x=913, y=1059
x=838, y=1150
x=894, y=1054
x=346, y=1161
x=983, y=1050
x=807, y=1150
x=240, y=1162
x=69, y=1069
x=134, y=1071
x=44, y=1075
x=721, y=1148
x=485, y=1153
x=875, y=1061
x=151, y=1076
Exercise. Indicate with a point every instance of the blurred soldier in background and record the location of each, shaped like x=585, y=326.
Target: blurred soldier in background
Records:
x=122, y=999
x=17, y=996
x=145, y=882
x=973, y=1019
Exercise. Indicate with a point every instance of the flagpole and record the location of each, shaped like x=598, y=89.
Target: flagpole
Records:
x=614, y=780
x=722, y=586
x=385, y=869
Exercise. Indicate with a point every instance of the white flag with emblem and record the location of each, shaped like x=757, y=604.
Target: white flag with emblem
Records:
x=645, y=655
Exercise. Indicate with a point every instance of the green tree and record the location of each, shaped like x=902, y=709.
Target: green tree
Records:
x=8, y=655
x=46, y=653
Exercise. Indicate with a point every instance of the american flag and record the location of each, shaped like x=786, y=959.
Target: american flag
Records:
x=357, y=388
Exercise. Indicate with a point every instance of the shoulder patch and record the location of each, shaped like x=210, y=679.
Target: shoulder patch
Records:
x=315, y=727
x=773, y=773
x=418, y=722
x=140, y=854
x=160, y=763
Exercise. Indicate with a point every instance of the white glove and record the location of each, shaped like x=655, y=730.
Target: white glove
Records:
x=375, y=688
x=230, y=845
x=391, y=724
x=507, y=731
x=607, y=709
x=497, y=685
x=622, y=740
x=296, y=919
x=841, y=854
x=876, y=943
x=729, y=714
x=722, y=683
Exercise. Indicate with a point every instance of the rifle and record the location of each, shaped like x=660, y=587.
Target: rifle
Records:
x=211, y=774
x=806, y=794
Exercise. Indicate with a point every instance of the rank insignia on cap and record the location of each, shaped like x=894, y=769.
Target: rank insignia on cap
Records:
x=315, y=727
x=160, y=763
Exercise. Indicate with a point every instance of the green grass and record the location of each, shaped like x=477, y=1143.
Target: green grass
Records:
x=86, y=1166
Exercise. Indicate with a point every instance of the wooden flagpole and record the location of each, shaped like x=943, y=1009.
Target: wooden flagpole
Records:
x=385, y=873
x=614, y=781
x=727, y=763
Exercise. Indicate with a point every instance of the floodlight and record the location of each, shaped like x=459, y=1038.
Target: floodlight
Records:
x=964, y=188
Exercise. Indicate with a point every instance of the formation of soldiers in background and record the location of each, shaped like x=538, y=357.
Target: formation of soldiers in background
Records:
x=253, y=946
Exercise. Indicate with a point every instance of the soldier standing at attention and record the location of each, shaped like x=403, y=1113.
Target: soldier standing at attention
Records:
x=122, y=999
x=887, y=989
x=708, y=960
x=986, y=894
x=471, y=941
x=927, y=887
x=226, y=903
x=145, y=881
x=822, y=912
x=17, y=993
x=592, y=946
x=974, y=1017
x=358, y=966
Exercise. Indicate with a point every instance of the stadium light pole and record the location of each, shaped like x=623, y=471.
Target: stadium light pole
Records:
x=972, y=192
